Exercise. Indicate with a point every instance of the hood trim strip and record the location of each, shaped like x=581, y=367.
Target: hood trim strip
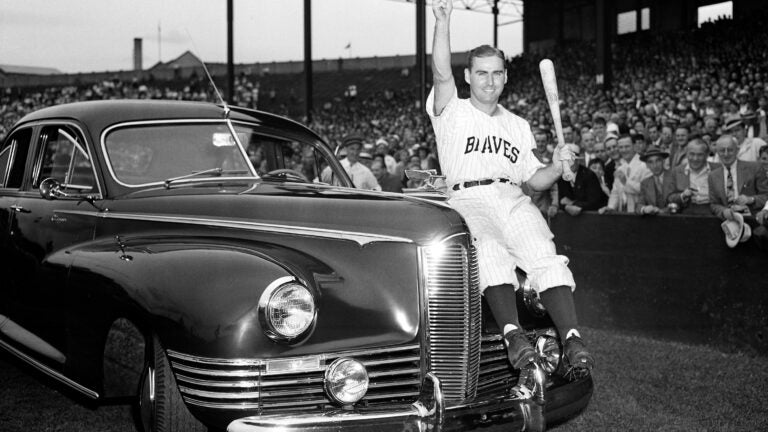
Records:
x=360, y=238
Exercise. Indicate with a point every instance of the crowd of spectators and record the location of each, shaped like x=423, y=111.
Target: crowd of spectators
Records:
x=668, y=90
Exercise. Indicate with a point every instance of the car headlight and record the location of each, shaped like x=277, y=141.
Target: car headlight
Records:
x=286, y=310
x=532, y=300
x=346, y=381
x=549, y=353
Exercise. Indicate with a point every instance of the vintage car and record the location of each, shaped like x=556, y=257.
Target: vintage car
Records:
x=184, y=257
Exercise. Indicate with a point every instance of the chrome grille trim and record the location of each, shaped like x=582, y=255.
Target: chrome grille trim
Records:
x=243, y=384
x=450, y=282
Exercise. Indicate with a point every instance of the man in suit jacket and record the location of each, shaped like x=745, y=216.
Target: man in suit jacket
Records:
x=687, y=186
x=583, y=193
x=652, y=199
x=387, y=181
x=736, y=185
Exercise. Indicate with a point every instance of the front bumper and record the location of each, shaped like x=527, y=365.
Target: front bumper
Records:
x=429, y=413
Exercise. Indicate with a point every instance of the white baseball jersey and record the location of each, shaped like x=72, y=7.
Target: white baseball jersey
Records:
x=508, y=230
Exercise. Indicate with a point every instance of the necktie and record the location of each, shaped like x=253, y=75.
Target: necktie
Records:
x=657, y=181
x=729, y=187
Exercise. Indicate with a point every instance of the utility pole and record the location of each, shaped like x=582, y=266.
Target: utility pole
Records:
x=230, y=54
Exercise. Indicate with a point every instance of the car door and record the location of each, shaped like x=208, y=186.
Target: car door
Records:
x=13, y=160
x=40, y=233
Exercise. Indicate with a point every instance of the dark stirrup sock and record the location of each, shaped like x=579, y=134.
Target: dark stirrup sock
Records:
x=503, y=303
x=559, y=304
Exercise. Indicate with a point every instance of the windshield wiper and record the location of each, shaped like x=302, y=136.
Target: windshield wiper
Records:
x=216, y=171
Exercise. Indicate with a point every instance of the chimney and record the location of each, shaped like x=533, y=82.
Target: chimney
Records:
x=137, y=55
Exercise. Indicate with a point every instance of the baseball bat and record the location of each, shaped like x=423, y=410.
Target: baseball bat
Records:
x=549, y=81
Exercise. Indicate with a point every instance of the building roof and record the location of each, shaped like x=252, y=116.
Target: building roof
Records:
x=28, y=70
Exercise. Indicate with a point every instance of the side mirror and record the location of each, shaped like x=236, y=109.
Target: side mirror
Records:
x=50, y=189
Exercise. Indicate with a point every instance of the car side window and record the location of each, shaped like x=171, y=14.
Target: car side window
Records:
x=269, y=154
x=64, y=157
x=13, y=158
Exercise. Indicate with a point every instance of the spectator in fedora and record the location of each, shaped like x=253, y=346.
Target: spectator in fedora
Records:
x=361, y=176
x=748, y=147
x=686, y=187
x=583, y=193
x=736, y=185
x=652, y=199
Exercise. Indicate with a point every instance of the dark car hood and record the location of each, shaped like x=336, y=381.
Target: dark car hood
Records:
x=303, y=205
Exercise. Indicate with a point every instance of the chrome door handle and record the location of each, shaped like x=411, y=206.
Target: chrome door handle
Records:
x=19, y=209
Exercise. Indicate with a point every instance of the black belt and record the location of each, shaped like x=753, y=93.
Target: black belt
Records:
x=470, y=184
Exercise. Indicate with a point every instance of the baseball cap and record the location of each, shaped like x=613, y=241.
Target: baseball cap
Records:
x=352, y=139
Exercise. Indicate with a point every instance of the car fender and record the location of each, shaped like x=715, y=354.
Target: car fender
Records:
x=169, y=285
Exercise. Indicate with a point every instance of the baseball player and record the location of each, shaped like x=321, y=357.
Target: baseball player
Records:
x=486, y=154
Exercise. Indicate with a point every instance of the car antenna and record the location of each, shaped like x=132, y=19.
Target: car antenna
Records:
x=213, y=84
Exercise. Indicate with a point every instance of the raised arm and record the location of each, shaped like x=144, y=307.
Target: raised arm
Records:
x=444, y=85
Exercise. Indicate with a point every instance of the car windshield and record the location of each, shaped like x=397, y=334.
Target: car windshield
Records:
x=147, y=154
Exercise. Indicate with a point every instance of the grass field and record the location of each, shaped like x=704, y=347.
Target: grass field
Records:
x=641, y=384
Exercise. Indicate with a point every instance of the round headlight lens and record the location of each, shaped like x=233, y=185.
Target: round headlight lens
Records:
x=549, y=353
x=290, y=310
x=346, y=380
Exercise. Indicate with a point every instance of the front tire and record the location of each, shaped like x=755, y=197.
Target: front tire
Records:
x=161, y=407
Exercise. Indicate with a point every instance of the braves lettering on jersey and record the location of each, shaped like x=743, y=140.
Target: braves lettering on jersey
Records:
x=492, y=145
x=508, y=230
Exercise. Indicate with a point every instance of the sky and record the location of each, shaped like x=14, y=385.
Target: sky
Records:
x=97, y=35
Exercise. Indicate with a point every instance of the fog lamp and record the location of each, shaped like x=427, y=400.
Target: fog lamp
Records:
x=346, y=381
x=549, y=353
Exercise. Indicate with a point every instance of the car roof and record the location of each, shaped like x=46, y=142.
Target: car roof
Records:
x=102, y=113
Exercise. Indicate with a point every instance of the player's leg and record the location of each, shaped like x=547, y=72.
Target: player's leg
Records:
x=496, y=269
x=559, y=303
x=502, y=301
x=530, y=242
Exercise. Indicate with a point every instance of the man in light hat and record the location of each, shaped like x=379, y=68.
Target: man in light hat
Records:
x=652, y=200
x=748, y=147
x=382, y=148
x=737, y=186
x=361, y=176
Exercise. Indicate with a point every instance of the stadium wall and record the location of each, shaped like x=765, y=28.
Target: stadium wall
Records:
x=186, y=66
x=667, y=276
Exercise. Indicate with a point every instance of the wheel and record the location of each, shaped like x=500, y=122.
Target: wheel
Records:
x=161, y=408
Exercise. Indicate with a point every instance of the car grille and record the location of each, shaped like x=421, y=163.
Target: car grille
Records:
x=454, y=318
x=496, y=376
x=243, y=384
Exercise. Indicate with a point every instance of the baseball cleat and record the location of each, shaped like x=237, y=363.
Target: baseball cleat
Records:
x=519, y=349
x=578, y=361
